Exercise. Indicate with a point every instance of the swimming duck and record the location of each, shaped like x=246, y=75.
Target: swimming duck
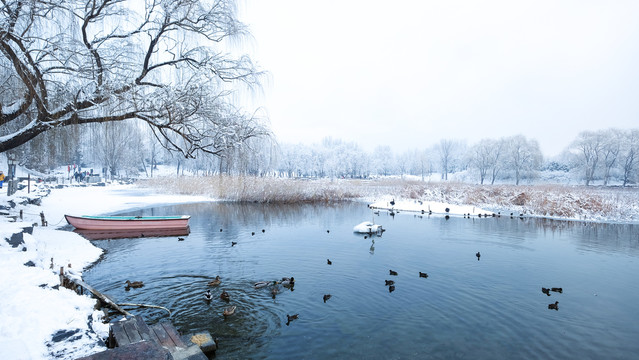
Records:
x=478, y=255
x=393, y=272
x=274, y=291
x=291, y=318
x=389, y=282
x=559, y=290
x=252, y=233
x=216, y=281
x=391, y=288
x=233, y=243
x=134, y=284
x=326, y=297
x=208, y=296
x=329, y=262
x=424, y=275
x=288, y=282
x=225, y=296
x=229, y=311
x=180, y=239
x=263, y=230
x=545, y=291
x=553, y=306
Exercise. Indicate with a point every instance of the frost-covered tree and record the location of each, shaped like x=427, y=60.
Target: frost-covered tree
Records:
x=522, y=156
x=611, y=146
x=71, y=62
x=382, y=160
x=628, y=154
x=588, y=148
x=446, y=148
x=486, y=157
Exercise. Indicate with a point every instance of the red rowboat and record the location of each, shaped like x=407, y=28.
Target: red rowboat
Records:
x=128, y=222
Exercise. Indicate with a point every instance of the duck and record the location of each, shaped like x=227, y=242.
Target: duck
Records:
x=478, y=255
x=553, y=306
x=134, y=284
x=545, y=291
x=261, y=284
x=290, y=318
x=208, y=295
x=329, y=262
x=326, y=297
x=424, y=275
x=180, y=239
x=389, y=282
x=263, y=230
x=288, y=282
x=252, y=233
x=233, y=243
x=392, y=272
x=215, y=282
x=274, y=291
x=559, y=290
x=229, y=311
x=391, y=288
x=225, y=296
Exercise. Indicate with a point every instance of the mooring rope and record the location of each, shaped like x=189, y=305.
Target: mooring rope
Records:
x=146, y=305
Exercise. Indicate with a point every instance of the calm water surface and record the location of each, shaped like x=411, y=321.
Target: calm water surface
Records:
x=467, y=308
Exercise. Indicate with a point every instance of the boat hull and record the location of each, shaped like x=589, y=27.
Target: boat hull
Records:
x=128, y=222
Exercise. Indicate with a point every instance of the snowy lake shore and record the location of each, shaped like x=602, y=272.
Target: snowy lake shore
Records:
x=570, y=202
x=42, y=321
x=39, y=319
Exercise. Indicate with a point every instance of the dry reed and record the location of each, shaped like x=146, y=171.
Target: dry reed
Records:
x=577, y=202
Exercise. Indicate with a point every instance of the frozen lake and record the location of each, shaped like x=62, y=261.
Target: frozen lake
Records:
x=467, y=308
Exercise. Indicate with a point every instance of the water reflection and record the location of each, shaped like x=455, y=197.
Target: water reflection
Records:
x=125, y=234
x=491, y=308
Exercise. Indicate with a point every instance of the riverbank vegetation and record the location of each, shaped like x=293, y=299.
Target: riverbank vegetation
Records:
x=560, y=201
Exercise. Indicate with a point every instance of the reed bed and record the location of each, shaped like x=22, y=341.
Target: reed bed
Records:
x=559, y=201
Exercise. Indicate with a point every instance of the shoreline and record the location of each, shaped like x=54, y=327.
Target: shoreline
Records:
x=36, y=310
x=559, y=202
x=42, y=320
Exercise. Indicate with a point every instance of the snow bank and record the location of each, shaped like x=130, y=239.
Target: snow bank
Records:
x=40, y=320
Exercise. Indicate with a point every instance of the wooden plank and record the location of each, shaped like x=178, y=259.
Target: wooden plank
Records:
x=119, y=334
x=140, y=350
x=144, y=330
x=99, y=295
x=170, y=329
x=162, y=336
x=132, y=330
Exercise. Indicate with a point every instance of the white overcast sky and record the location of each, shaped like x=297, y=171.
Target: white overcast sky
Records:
x=409, y=73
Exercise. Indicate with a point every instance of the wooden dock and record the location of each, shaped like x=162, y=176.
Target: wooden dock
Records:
x=134, y=339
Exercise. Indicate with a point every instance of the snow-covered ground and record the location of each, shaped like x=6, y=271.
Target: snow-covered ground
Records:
x=32, y=308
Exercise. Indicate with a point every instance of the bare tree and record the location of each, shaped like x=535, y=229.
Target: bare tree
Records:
x=629, y=153
x=610, y=151
x=113, y=60
x=445, y=156
x=522, y=156
x=588, y=147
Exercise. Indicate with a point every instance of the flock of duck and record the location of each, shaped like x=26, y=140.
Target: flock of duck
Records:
x=286, y=282
x=289, y=282
x=547, y=291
